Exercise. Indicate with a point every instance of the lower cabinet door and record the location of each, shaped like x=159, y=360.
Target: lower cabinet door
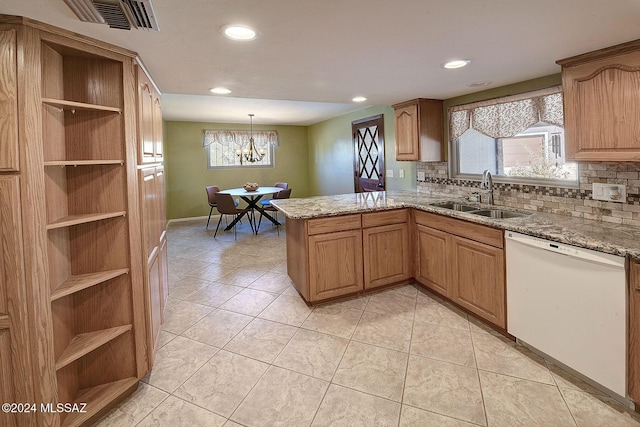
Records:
x=432, y=259
x=155, y=304
x=335, y=264
x=386, y=255
x=478, y=279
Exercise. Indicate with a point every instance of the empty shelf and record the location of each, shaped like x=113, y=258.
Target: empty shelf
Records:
x=83, y=344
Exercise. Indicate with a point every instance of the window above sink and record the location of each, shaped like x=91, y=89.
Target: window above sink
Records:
x=519, y=139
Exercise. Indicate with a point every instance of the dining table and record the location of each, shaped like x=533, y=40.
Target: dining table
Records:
x=252, y=198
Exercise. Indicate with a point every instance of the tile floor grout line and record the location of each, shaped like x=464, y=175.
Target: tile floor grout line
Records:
x=406, y=369
x=484, y=403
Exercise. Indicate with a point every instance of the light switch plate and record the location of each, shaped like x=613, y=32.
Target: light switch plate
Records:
x=389, y=173
x=609, y=192
x=401, y=173
x=421, y=176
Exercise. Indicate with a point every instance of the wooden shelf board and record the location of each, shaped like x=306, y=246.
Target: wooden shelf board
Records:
x=83, y=344
x=72, y=105
x=82, y=219
x=97, y=398
x=82, y=281
x=83, y=162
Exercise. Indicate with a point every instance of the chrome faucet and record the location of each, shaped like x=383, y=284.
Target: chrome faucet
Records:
x=487, y=184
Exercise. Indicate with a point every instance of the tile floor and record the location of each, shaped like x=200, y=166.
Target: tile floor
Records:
x=240, y=347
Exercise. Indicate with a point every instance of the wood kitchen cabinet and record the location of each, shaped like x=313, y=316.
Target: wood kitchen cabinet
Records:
x=8, y=100
x=324, y=256
x=464, y=262
x=16, y=384
x=634, y=330
x=150, y=146
x=154, y=251
x=386, y=246
x=431, y=259
x=419, y=125
x=152, y=202
x=478, y=279
x=602, y=103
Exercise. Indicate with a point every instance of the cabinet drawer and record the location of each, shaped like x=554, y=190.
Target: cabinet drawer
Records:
x=333, y=224
x=375, y=219
x=479, y=233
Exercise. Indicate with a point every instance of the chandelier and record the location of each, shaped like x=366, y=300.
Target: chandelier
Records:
x=251, y=154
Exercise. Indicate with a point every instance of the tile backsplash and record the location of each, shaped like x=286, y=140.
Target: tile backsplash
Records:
x=575, y=202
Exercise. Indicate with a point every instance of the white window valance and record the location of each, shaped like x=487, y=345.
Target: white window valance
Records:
x=507, y=116
x=240, y=138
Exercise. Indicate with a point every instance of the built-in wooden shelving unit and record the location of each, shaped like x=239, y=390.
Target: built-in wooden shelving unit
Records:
x=73, y=296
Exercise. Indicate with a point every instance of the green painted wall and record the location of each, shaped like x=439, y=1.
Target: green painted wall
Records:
x=187, y=173
x=331, y=154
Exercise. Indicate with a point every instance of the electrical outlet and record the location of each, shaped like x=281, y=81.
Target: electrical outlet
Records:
x=389, y=173
x=421, y=176
x=609, y=192
x=401, y=173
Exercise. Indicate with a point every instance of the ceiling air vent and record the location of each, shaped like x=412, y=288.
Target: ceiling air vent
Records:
x=121, y=14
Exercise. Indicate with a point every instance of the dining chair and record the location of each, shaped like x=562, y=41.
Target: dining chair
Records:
x=211, y=196
x=227, y=206
x=284, y=194
x=267, y=202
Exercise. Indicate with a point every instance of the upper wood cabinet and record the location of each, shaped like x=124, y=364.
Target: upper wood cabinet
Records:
x=419, y=130
x=8, y=100
x=150, y=147
x=602, y=104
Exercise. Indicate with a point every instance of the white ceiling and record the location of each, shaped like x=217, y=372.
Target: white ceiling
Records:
x=313, y=56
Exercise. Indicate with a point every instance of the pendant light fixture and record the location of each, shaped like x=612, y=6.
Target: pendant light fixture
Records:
x=251, y=154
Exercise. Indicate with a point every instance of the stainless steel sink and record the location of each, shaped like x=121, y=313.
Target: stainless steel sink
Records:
x=455, y=206
x=498, y=213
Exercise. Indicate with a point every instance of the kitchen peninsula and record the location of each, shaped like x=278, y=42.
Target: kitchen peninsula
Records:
x=344, y=244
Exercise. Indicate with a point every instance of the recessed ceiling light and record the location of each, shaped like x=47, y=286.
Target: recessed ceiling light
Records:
x=479, y=84
x=239, y=32
x=458, y=63
x=359, y=99
x=220, y=90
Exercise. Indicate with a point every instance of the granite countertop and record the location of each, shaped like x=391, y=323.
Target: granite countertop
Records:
x=601, y=236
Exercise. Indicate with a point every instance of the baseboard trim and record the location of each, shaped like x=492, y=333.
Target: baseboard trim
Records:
x=193, y=218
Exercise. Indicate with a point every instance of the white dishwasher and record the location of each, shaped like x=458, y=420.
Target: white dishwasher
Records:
x=569, y=303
